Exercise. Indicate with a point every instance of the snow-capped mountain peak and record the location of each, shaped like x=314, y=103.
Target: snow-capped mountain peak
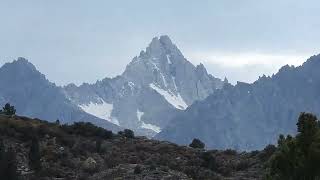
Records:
x=154, y=86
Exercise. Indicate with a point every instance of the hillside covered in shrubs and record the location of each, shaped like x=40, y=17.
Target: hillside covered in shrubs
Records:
x=36, y=149
x=42, y=150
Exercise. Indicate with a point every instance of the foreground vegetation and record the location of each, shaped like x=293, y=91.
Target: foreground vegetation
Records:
x=298, y=158
x=43, y=150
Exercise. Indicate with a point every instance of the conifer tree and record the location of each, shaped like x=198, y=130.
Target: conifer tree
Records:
x=8, y=110
x=298, y=157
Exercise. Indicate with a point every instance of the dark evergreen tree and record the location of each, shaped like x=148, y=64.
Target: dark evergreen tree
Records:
x=309, y=144
x=307, y=128
x=196, y=143
x=34, y=154
x=8, y=110
x=298, y=157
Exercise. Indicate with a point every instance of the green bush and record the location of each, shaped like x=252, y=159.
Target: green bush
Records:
x=230, y=152
x=196, y=143
x=87, y=129
x=242, y=165
x=128, y=133
x=209, y=161
x=137, y=169
x=267, y=152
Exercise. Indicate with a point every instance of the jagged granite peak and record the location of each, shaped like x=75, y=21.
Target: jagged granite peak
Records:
x=33, y=95
x=164, y=66
x=155, y=86
x=21, y=67
x=225, y=80
x=201, y=68
x=160, y=46
x=21, y=71
x=23, y=62
x=249, y=116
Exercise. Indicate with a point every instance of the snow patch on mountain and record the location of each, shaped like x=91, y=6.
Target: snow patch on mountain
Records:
x=168, y=59
x=175, y=100
x=139, y=114
x=144, y=125
x=174, y=83
x=101, y=110
x=164, y=80
x=155, y=67
x=151, y=127
x=131, y=84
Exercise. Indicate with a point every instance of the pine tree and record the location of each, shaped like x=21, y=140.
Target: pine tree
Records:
x=298, y=157
x=307, y=128
x=8, y=110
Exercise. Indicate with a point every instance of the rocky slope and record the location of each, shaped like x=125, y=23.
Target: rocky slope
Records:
x=33, y=95
x=71, y=152
x=249, y=116
x=154, y=87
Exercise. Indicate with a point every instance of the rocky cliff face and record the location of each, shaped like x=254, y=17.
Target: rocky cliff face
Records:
x=154, y=87
x=249, y=116
x=22, y=85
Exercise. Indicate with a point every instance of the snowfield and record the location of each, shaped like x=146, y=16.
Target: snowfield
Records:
x=146, y=125
x=101, y=110
x=175, y=100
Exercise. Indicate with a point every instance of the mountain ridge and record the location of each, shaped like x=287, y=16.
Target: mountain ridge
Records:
x=153, y=88
x=35, y=96
x=249, y=116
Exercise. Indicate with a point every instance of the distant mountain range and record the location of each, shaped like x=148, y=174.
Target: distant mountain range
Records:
x=155, y=86
x=250, y=116
x=162, y=95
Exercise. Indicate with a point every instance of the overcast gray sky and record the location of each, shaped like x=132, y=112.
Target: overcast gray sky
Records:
x=85, y=40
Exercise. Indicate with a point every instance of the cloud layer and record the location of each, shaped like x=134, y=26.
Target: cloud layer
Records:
x=245, y=67
x=82, y=41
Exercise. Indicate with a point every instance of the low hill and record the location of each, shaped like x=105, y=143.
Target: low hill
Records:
x=84, y=151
